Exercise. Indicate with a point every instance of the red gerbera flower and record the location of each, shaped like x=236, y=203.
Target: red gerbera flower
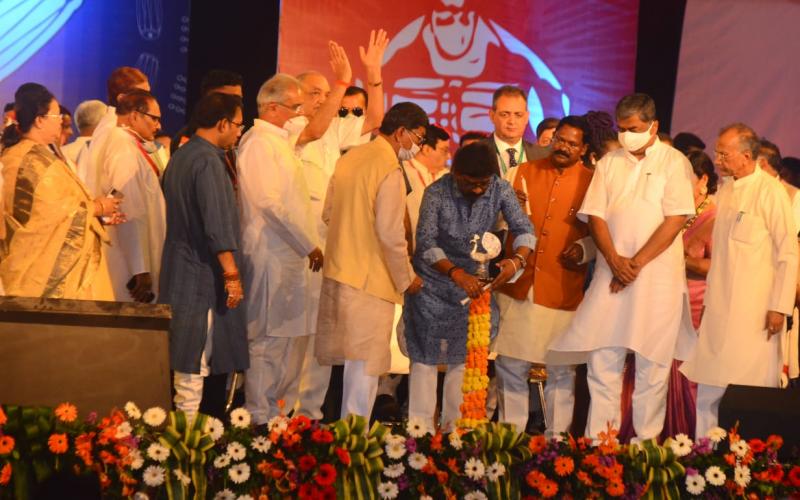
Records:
x=307, y=491
x=794, y=475
x=344, y=455
x=326, y=475
x=757, y=445
x=323, y=436
x=775, y=473
x=306, y=463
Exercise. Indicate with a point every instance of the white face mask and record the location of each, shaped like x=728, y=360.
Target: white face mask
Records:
x=295, y=125
x=634, y=141
x=405, y=154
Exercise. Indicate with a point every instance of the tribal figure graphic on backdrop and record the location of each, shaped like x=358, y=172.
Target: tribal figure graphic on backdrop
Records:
x=465, y=51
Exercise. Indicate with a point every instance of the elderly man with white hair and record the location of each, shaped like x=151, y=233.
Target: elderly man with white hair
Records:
x=278, y=235
x=87, y=115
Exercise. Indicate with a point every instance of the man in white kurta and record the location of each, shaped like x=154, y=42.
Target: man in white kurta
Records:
x=129, y=166
x=751, y=282
x=278, y=236
x=636, y=204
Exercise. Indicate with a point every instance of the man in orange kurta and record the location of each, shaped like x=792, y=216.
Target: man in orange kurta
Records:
x=541, y=303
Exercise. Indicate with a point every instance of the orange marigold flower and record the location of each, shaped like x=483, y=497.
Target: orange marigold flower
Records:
x=3, y=418
x=66, y=412
x=58, y=443
x=6, y=445
x=564, y=466
x=5, y=474
x=537, y=444
x=615, y=488
x=548, y=488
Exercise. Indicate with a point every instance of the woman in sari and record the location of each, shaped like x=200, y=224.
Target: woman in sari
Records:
x=54, y=237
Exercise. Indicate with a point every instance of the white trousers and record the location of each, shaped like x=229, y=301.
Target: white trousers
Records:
x=359, y=389
x=189, y=386
x=605, y=373
x=306, y=393
x=707, y=417
x=275, y=363
x=422, y=383
x=514, y=394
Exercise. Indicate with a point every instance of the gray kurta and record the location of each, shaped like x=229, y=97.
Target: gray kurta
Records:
x=202, y=220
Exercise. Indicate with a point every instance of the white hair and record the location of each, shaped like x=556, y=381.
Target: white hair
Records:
x=89, y=113
x=276, y=88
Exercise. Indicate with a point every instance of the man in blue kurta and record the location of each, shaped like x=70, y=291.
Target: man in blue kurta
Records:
x=200, y=268
x=464, y=203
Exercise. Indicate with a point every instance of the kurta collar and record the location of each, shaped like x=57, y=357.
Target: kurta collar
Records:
x=747, y=179
x=270, y=128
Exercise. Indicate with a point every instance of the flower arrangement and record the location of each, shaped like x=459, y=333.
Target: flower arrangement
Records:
x=476, y=379
x=156, y=454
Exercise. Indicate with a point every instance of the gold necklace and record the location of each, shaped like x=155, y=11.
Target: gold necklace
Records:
x=697, y=211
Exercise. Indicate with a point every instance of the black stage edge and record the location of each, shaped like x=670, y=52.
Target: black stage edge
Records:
x=657, y=53
x=237, y=35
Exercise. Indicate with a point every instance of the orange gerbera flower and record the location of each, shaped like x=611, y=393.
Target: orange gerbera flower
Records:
x=535, y=478
x=6, y=445
x=58, y=443
x=615, y=488
x=66, y=412
x=584, y=478
x=548, y=488
x=564, y=466
x=3, y=418
x=537, y=444
x=5, y=474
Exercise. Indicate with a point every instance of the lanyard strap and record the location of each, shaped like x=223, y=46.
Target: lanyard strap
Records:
x=503, y=166
x=146, y=155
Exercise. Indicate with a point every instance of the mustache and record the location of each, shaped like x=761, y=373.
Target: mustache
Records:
x=561, y=153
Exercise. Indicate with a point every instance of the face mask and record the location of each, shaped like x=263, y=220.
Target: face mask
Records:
x=295, y=125
x=405, y=154
x=634, y=141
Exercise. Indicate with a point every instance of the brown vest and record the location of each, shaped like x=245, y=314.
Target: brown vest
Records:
x=555, y=199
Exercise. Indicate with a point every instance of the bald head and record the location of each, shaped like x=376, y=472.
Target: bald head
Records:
x=316, y=90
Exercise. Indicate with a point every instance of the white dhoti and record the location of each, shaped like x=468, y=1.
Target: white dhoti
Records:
x=308, y=390
x=605, y=374
x=275, y=363
x=189, y=386
x=422, y=383
x=359, y=389
x=708, y=399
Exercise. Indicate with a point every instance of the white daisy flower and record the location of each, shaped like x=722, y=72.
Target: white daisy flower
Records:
x=222, y=461
x=716, y=434
x=741, y=475
x=475, y=495
x=681, y=445
x=395, y=450
x=236, y=451
x=740, y=448
x=153, y=475
x=715, y=476
x=393, y=438
x=124, y=430
x=394, y=471
x=137, y=461
x=695, y=484
x=239, y=473
x=455, y=440
x=183, y=478
x=416, y=427
x=261, y=444
x=474, y=469
x=154, y=416
x=388, y=490
x=495, y=470
x=417, y=461
x=278, y=424
x=240, y=418
x=214, y=428
x=225, y=494
x=157, y=452
x=132, y=410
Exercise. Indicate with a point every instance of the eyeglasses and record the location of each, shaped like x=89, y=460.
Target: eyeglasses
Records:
x=420, y=138
x=566, y=143
x=238, y=125
x=155, y=118
x=296, y=109
x=469, y=184
x=357, y=111
x=60, y=116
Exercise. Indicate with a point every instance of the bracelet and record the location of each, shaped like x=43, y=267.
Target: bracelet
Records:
x=451, y=271
x=342, y=83
x=231, y=276
x=377, y=84
x=522, y=260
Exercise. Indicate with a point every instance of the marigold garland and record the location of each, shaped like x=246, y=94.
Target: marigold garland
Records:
x=476, y=380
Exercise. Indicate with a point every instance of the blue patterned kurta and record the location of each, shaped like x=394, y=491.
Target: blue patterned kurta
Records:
x=202, y=221
x=435, y=320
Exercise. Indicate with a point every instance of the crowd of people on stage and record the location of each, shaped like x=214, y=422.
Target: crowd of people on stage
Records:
x=286, y=249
